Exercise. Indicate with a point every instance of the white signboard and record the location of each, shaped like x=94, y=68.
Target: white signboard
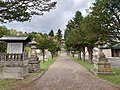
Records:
x=14, y=47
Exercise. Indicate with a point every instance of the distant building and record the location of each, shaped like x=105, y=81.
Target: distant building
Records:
x=113, y=51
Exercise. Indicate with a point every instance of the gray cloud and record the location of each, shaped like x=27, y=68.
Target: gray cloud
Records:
x=54, y=19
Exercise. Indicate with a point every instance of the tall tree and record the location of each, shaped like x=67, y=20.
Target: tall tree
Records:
x=53, y=47
x=51, y=33
x=89, y=26
x=75, y=36
x=3, y=31
x=107, y=14
x=43, y=44
x=23, y=10
x=103, y=22
x=12, y=32
x=59, y=35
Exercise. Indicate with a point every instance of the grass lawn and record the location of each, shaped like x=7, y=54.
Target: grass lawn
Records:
x=85, y=63
x=115, y=79
x=45, y=66
x=12, y=83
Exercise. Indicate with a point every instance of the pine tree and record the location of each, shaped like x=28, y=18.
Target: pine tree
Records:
x=51, y=33
x=23, y=10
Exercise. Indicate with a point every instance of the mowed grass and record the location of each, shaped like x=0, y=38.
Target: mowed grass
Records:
x=46, y=65
x=115, y=79
x=13, y=83
x=85, y=63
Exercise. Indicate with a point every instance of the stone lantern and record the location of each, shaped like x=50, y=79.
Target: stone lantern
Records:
x=34, y=63
x=33, y=48
x=101, y=64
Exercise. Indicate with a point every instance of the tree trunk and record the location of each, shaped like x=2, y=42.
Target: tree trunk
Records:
x=83, y=53
x=79, y=55
x=68, y=52
x=43, y=51
x=72, y=54
x=52, y=54
x=90, y=52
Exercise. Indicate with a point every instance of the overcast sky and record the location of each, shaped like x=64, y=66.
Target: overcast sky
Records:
x=55, y=19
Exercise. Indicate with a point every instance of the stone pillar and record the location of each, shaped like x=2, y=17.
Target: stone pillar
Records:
x=34, y=63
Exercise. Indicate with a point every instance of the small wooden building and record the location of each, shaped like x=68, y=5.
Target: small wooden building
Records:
x=14, y=63
x=113, y=51
x=15, y=44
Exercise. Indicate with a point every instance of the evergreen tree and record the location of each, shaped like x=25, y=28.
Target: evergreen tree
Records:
x=51, y=33
x=53, y=47
x=75, y=35
x=23, y=10
x=59, y=35
x=107, y=14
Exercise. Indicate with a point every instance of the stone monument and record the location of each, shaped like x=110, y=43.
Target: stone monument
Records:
x=34, y=63
x=101, y=64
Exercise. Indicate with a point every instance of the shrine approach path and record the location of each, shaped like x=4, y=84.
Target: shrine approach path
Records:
x=66, y=74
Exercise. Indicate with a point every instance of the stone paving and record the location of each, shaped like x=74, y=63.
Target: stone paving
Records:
x=66, y=74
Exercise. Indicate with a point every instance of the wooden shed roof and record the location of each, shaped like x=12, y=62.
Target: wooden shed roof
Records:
x=15, y=38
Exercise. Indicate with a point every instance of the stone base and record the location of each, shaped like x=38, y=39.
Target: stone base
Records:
x=34, y=66
x=102, y=73
x=102, y=68
x=13, y=72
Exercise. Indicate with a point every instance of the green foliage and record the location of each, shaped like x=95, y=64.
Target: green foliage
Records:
x=43, y=42
x=34, y=35
x=3, y=46
x=23, y=10
x=12, y=32
x=73, y=32
x=3, y=31
x=89, y=27
x=51, y=33
x=53, y=47
x=59, y=35
x=101, y=24
x=106, y=13
x=46, y=65
x=85, y=64
x=112, y=78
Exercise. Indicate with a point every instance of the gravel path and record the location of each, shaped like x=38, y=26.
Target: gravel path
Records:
x=66, y=74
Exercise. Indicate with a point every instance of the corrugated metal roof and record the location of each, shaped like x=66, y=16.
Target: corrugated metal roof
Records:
x=14, y=38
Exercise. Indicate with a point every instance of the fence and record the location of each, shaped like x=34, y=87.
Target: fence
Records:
x=10, y=59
